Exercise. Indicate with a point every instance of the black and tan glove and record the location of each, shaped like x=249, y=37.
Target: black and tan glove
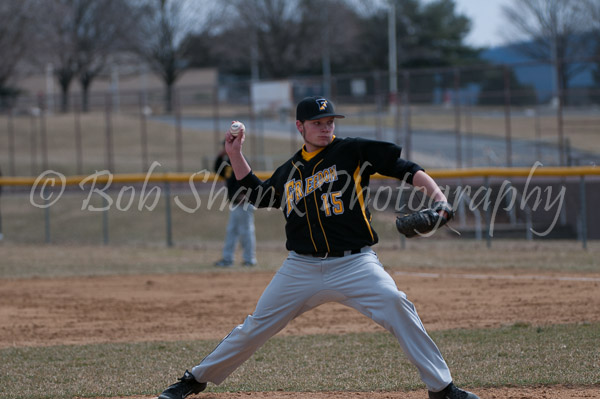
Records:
x=425, y=220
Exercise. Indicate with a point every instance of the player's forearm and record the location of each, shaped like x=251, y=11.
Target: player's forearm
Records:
x=239, y=165
x=427, y=185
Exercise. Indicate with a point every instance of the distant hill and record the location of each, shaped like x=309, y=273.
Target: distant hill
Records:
x=538, y=75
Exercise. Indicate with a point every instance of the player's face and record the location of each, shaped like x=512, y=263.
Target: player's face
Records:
x=317, y=133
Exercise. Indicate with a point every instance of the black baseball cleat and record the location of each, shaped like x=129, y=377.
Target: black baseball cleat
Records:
x=186, y=386
x=452, y=392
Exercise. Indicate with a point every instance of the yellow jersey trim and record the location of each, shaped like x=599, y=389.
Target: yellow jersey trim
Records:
x=307, y=156
x=319, y=211
x=306, y=210
x=361, y=199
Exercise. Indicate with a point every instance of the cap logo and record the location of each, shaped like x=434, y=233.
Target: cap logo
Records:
x=322, y=104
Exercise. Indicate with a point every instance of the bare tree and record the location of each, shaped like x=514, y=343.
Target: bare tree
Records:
x=16, y=36
x=80, y=36
x=428, y=34
x=592, y=9
x=161, y=42
x=554, y=31
x=105, y=28
x=286, y=37
x=60, y=27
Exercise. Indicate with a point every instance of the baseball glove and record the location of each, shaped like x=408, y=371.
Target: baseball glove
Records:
x=424, y=221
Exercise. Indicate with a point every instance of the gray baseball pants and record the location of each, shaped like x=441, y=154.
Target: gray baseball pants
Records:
x=305, y=282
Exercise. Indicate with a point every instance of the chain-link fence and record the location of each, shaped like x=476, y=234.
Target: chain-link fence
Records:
x=451, y=117
x=488, y=116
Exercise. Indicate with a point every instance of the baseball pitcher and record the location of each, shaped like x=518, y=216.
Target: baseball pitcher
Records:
x=322, y=192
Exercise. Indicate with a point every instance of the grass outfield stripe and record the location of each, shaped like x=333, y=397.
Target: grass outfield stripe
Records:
x=517, y=355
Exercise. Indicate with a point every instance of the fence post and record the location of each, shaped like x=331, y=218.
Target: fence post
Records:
x=43, y=135
x=397, y=118
x=567, y=151
x=47, y=222
x=407, y=116
x=105, y=221
x=109, y=145
x=1, y=234
x=78, y=140
x=217, y=131
x=528, y=224
x=488, y=216
x=378, y=105
x=583, y=216
x=169, y=227
x=11, y=143
x=538, y=133
x=259, y=142
x=457, y=118
x=178, y=133
x=560, y=122
x=469, y=133
x=144, y=112
x=33, y=144
x=478, y=232
x=512, y=215
x=507, y=119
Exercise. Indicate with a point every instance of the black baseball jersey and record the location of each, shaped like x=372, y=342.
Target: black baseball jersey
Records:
x=324, y=194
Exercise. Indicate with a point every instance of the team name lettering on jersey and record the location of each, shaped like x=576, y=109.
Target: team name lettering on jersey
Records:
x=296, y=189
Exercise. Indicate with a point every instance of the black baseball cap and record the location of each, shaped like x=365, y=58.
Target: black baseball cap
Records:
x=311, y=108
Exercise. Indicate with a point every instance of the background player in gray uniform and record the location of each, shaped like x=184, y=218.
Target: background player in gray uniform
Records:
x=321, y=191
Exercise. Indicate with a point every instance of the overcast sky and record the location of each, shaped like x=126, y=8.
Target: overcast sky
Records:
x=487, y=21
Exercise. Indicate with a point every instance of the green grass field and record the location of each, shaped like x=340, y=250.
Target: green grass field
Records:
x=518, y=355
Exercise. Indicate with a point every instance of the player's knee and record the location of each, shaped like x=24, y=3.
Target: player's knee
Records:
x=265, y=325
x=392, y=294
x=399, y=299
x=406, y=305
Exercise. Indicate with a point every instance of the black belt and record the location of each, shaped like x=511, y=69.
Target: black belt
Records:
x=333, y=254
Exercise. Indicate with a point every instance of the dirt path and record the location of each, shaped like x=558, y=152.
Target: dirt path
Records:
x=57, y=311
x=40, y=312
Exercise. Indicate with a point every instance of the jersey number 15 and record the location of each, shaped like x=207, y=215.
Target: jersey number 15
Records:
x=332, y=203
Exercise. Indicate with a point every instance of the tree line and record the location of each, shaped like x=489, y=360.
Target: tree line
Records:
x=269, y=39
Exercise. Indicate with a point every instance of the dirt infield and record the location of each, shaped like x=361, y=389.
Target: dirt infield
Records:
x=75, y=310
x=556, y=392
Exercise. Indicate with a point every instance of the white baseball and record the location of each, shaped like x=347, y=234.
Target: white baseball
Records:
x=236, y=128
